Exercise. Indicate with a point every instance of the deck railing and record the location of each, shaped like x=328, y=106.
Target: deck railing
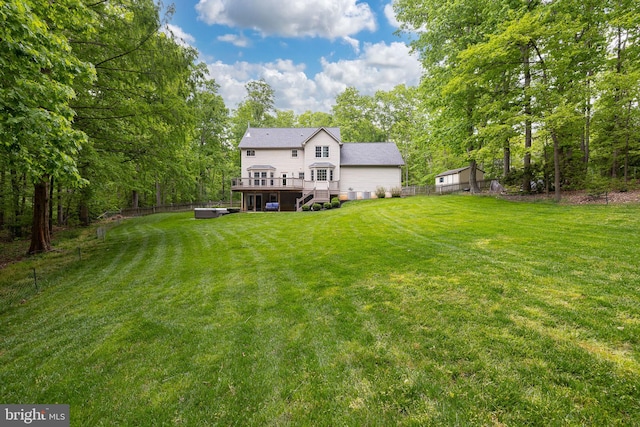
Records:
x=242, y=184
x=294, y=184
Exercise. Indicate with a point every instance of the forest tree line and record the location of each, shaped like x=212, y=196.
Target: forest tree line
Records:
x=102, y=109
x=533, y=90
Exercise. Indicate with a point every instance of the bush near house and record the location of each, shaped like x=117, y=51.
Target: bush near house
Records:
x=335, y=202
x=327, y=205
x=381, y=192
x=317, y=206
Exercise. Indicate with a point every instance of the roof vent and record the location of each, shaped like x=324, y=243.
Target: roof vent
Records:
x=248, y=135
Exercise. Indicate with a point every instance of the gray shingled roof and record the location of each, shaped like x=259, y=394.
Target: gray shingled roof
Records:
x=280, y=137
x=455, y=171
x=370, y=154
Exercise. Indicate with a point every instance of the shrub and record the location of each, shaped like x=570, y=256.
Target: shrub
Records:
x=327, y=205
x=317, y=206
x=335, y=202
x=597, y=185
x=306, y=208
x=396, y=192
x=381, y=192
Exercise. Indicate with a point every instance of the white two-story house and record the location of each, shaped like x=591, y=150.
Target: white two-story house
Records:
x=298, y=166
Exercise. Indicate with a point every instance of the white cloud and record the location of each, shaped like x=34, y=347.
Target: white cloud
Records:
x=391, y=15
x=235, y=39
x=355, y=44
x=380, y=66
x=292, y=18
x=179, y=35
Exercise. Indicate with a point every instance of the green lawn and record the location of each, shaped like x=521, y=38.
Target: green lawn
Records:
x=452, y=310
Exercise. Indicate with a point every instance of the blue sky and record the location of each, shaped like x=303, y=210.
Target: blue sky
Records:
x=307, y=50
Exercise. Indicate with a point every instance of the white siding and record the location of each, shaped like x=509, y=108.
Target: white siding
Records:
x=278, y=158
x=368, y=178
x=448, y=180
x=322, y=139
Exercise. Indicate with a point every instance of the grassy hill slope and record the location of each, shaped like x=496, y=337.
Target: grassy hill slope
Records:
x=417, y=311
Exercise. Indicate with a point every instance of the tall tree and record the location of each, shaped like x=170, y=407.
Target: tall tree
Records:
x=135, y=113
x=521, y=71
x=255, y=110
x=213, y=151
x=444, y=31
x=39, y=70
x=617, y=108
x=354, y=114
x=310, y=119
x=260, y=99
x=396, y=112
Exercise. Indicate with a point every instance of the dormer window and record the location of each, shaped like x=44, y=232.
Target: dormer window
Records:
x=322, y=151
x=251, y=153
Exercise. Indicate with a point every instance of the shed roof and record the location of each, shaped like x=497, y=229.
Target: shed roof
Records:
x=282, y=137
x=456, y=171
x=370, y=154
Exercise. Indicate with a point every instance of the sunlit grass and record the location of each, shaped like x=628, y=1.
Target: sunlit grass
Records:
x=418, y=311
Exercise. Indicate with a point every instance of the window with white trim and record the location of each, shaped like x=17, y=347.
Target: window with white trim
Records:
x=294, y=154
x=321, y=174
x=251, y=153
x=322, y=151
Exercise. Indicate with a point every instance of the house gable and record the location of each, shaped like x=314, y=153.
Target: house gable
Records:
x=332, y=132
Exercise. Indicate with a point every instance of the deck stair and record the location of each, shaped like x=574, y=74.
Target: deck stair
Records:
x=313, y=196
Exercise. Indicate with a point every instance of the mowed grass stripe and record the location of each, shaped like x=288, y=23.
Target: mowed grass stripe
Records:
x=420, y=311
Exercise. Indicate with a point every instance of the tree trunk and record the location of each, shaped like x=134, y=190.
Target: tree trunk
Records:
x=158, y=194
x=135, y=199
x=587, y=129
x=626, y=145
x=473, y=182
x=83, y=214
x=2, y=198
x=556, y=166
x=40, y=236
x=626, y=159
x=50, y=222
x=18, y=192
x=506, y=159
x=60, y=206
x=528, y=135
